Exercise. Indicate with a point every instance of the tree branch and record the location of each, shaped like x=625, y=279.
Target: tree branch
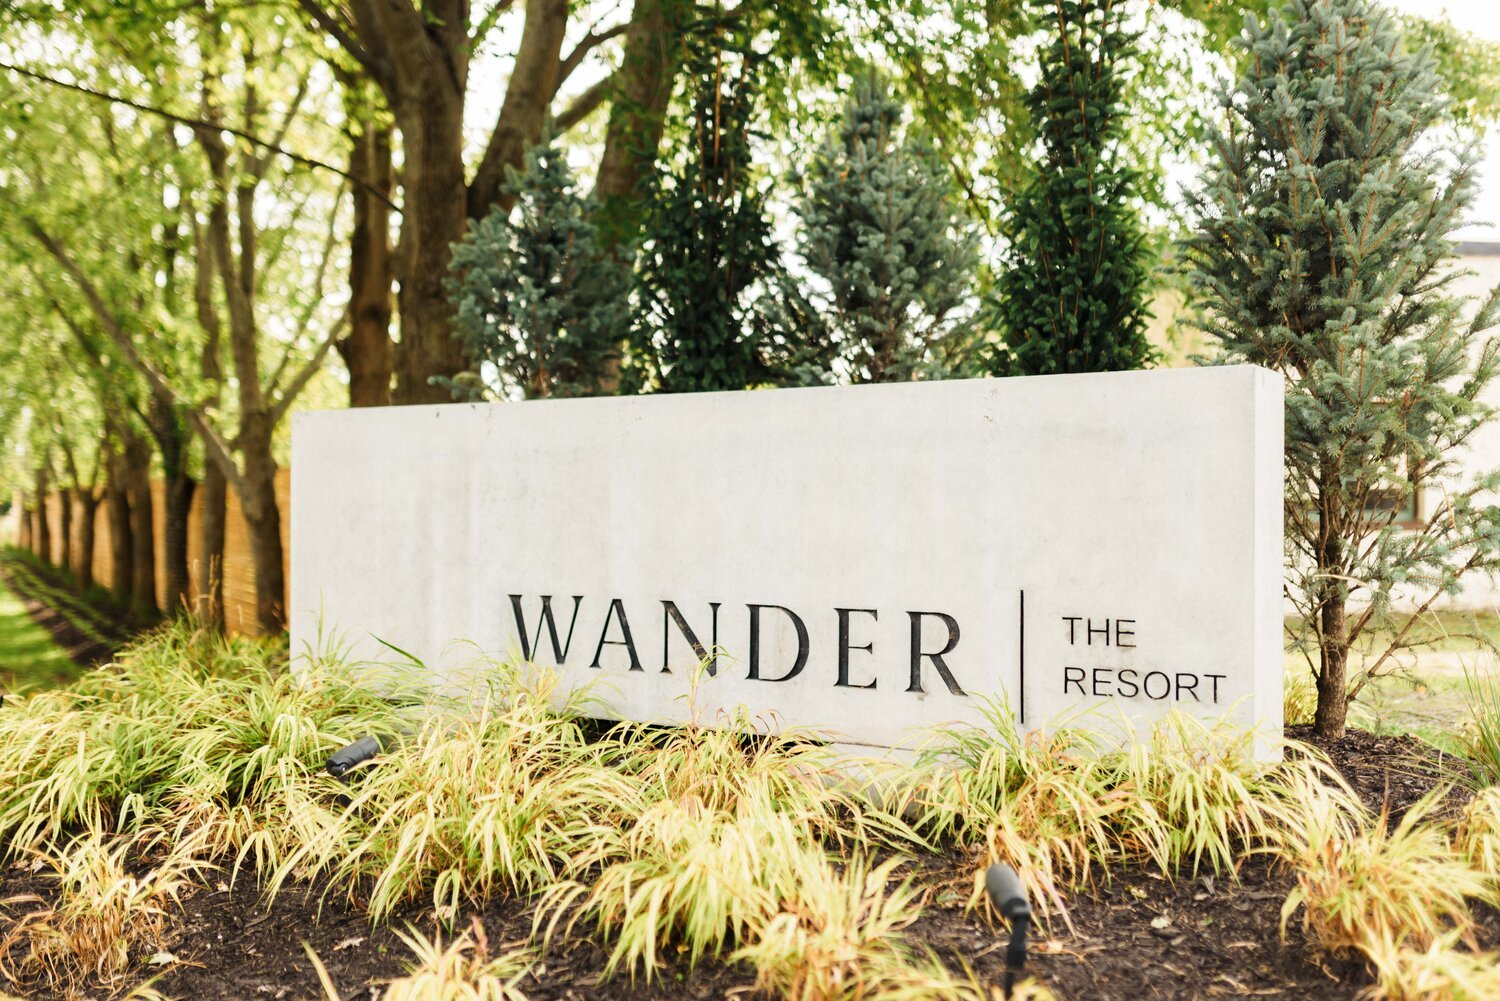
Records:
x=528, y=95
x=258, y=168
x=590, y=42
x=584, y=104
x=212, y=442
x=306, y=372
x=199, y=123
x=347, y=41
x=312, y=300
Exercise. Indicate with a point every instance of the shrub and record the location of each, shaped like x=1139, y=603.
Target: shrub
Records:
x=539, y=303
x=881, y=225
x=1072, y=293
x=1323, y=252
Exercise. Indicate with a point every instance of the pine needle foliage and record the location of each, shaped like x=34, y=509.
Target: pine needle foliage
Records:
x=882, y=226
x=539, y=303
x=1072, y=295
x=1323, y=252
x=708, y=258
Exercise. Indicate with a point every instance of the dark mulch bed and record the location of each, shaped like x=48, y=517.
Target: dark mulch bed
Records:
x=1140, y=936
x=1390, y=772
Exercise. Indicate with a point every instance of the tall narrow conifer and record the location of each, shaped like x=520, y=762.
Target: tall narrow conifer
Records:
x=1072, y=293
x=1323, y=251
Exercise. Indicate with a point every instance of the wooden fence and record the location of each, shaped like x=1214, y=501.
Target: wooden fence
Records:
x=238, y=571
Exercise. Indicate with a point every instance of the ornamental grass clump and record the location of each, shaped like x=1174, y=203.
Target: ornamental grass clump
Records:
x=1063, y=810
x=181, y=718
x=840, y=937
x=1194, y=797
x=1481, y=734
x=1441, y=972
x=462, y=970
x=719, y=766
x=502, y=801
x=1370, y=888
x=685, y=880
x=1478, y=835
x=112, y=903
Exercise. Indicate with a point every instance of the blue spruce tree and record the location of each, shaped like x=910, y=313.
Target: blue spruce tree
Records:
x=540, y=305
x=1323, y=251
x=881, y=225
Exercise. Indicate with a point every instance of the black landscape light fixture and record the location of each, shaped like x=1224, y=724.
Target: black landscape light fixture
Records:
x=1009, y=897
x=345, y=759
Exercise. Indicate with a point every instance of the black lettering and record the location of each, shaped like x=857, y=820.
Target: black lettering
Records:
x=1122, y=681
x=937, y=658
x=797, y=623
x=671, y=614
x=1188, y=688
x=844, y=646
x=1120, y=633
x=617, y=606
x=559, y=651
x=1146, y=685
x=1068, y=679
x=1101, y=631
x=1216, y=679
x=1097, y=672
x=1072, y=621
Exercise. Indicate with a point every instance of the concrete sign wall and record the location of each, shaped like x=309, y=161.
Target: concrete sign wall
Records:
x=870, y=560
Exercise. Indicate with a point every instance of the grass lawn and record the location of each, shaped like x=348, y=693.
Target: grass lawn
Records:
x=28, y=656
x=1428, y=690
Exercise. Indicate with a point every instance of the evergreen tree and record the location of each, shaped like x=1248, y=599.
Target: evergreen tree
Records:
x=540, y=306
x=709, y=266
x=881, y=225
x=1323, y=252
x=1072, y=296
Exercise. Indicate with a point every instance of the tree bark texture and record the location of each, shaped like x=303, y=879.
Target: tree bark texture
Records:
x=171, y=442
x=212, y=497
x=121, y=546
x=142, y=527
x=88, y=510
x=43, y=530
x=65, y=529
x=367, y=349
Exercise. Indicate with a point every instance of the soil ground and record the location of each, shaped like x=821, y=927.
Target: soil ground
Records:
x=1140, y=936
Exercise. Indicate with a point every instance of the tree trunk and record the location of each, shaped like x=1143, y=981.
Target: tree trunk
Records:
x=23, y=540
x=263, y=518
x=43, y=533
x=210, y=604
x=142, y=528
x=1333, y=675
x=433, y=218
x=121, y=546
x=88, y=509
x=653, y=54
x=367, y=349
x=1333, y=643
x=65, y=528
x=171, y=442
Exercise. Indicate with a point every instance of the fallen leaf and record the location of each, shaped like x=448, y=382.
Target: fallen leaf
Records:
x=1161, y=922
x=349, y=943
x=162, y=959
